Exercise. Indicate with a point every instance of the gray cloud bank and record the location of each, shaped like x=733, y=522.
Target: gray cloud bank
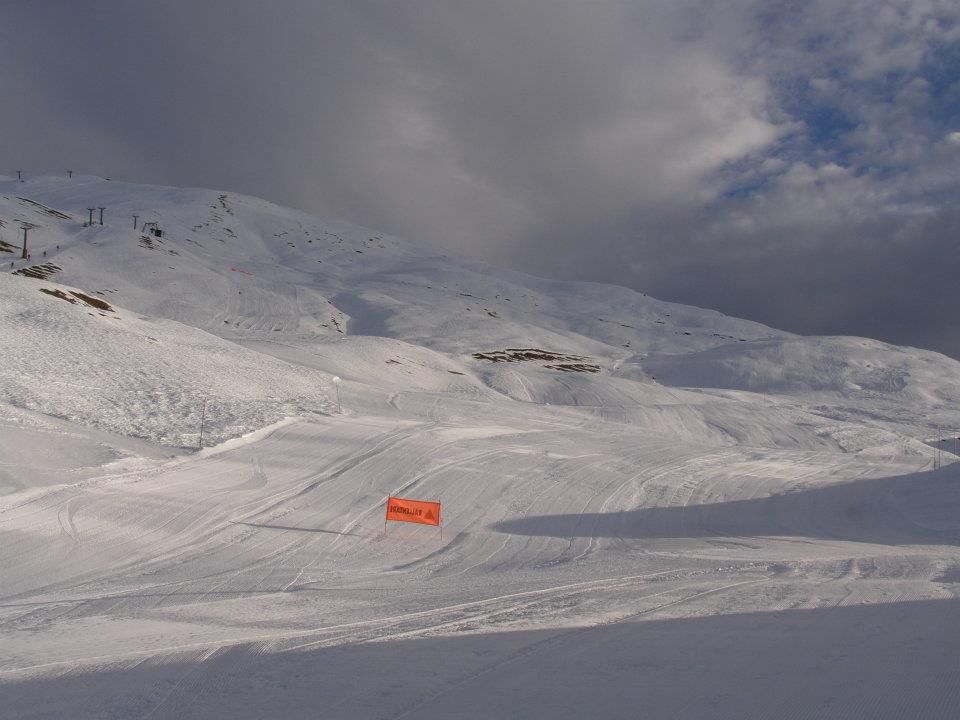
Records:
x=796, y=163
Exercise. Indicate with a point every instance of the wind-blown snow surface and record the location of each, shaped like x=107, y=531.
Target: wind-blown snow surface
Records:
x=651, y=510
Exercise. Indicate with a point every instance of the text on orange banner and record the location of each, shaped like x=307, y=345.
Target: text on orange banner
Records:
x=415, y=511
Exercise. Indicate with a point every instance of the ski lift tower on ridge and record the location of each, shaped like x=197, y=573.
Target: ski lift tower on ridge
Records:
x=26, y=227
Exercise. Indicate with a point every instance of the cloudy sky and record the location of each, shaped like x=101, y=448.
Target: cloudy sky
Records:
x=795, y=162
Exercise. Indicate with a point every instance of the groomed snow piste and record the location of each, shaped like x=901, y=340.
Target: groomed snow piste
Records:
x=650, y=509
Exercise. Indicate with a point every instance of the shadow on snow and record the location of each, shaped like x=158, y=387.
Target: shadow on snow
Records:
x=922, y=508
x=883, y=662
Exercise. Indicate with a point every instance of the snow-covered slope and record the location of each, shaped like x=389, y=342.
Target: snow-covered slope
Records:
x=648, y=507
x=246, y=270
x=241, y=267
x=102, y=366
x=907, y=389
x=851, y=367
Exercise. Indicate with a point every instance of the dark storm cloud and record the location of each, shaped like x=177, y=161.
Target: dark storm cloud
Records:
x=790, y=162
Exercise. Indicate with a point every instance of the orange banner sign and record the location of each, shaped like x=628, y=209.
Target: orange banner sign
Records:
x=415, y=511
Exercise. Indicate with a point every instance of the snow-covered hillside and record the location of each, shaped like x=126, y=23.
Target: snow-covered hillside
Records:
x=251, y=272
x=617, y=474
x=105, y=367
x=240, y=267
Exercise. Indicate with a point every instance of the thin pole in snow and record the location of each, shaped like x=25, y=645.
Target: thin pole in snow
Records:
x=70, y=174
x=135, y=218
x=90, y=218
x=25, y=254
x=19, y=175
x=203, y=416
x=937, y=458
x=101, y=215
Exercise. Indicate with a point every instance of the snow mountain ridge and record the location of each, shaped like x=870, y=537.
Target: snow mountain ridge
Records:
x=265, y=278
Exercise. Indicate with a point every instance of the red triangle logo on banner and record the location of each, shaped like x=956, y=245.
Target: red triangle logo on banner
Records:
x=428, y=515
